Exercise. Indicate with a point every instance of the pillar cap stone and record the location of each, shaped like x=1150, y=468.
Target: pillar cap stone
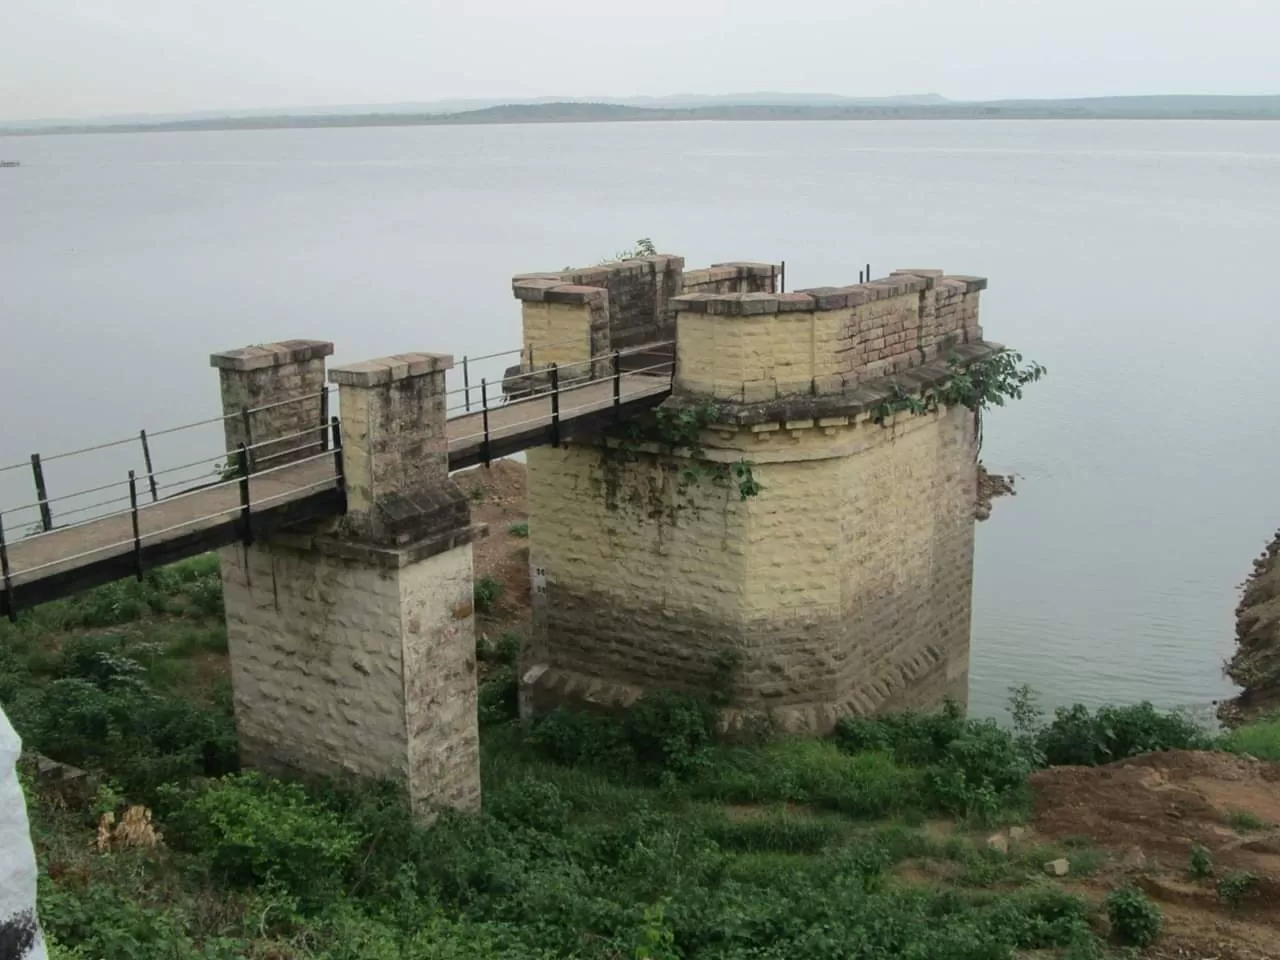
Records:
x=266, y=355
x=384, y=370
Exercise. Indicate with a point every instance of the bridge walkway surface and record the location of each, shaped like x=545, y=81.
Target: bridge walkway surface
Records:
x=253, y=498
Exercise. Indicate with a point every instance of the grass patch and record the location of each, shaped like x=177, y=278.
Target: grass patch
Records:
x=520, y=530
x=1245, y=820
x=1259, y=739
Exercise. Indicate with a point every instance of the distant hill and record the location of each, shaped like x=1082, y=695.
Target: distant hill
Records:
x=740, y=107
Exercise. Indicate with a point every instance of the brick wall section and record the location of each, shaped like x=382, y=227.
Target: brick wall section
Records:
x=843, y=587
x=757, y=347
x=343, y=667
x=737, y=277
x=638, y=294
x=267, y=376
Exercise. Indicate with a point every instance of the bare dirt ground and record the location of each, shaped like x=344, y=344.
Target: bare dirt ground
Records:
x=1148, y=812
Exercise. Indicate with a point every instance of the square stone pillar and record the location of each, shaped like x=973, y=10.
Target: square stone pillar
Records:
x=281, y=385
x=353, y=645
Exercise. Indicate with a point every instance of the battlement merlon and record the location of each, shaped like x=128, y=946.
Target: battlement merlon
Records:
x=826, y=346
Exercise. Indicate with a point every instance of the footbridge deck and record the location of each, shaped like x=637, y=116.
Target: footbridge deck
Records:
x=262, y=487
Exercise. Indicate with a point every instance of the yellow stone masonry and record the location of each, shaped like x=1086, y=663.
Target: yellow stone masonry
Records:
x=843, y=586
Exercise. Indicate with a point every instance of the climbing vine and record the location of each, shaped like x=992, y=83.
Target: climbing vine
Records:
x=978, y=386
x=680, y=428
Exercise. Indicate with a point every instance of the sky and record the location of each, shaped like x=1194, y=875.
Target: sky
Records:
x=87, y=58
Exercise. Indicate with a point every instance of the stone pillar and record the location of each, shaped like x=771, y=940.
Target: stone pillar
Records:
x=839, y=583
x=353, y=643
x=285, y=378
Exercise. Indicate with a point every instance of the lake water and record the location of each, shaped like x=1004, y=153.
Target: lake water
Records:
x=1134, y=259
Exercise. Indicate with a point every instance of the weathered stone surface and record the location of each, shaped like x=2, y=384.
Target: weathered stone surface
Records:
x=343, y=667
x=280, y=385
x=1058, y=868
x=998, y=842
x=843, y=587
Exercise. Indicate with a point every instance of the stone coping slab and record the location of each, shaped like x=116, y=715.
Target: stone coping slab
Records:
x=266, y=355
x=384, y=370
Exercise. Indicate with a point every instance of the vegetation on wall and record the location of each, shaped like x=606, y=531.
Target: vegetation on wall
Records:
x=676, y=429
x=989, y=382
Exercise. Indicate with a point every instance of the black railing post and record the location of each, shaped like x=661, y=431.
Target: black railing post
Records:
x=466, y=385
x=10, y=608
x=617, y=385
x=146, y=459
x=246, y=517
x=784, y=277
x=46, y=515
x=338, y=470
x=248, y=433
x=868, y=273
x=555, y=405
x=484, y=413
x=324, y=419
x=133, y=514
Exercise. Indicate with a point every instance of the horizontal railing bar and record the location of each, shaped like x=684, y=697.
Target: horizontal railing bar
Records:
x=565, y=415
x=176, y=497
x=151, y=535
x=521, y=350
x=623, y=352
x=568, y=388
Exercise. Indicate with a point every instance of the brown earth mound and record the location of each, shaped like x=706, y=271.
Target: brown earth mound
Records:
x=1256, y=664
x=1149, y=812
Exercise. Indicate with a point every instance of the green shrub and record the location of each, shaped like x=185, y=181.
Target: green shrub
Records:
x=117, y=724
x=670, y=732
x=531, y=803
x=519, y=529
x=255, y=830
x=1200, y=863
x=1134, y=917
x=1235, y=887
x=1078, y=736
x=486, y=592
x=1245, y=820
x=499, y=697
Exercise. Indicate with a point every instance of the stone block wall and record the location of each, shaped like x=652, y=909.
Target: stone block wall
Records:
x=636, y=300
x=737, y=277
x=287, y=378
x=759, y=347
x=843, y=587
x=342, y=666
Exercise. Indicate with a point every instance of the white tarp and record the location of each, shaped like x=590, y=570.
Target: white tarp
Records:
x=20, y=937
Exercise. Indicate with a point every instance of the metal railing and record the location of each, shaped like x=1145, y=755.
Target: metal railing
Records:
x=245, y=507
x=557, y=392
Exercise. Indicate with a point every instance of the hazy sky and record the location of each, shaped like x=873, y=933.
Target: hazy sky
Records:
x=76, y=58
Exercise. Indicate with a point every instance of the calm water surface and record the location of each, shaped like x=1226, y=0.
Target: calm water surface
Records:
x=1134, y=259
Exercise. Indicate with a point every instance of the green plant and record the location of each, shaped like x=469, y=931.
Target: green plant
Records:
x=657, y=941
x=477, y=493
x=1200, y=863
x=1237, y=886
x=520, y=529
x=1260, y=739
x=643, y=248
x=1078, y=736
x=1134, y=917
x=1245, y=820
x=254, y=830
x=499, y=697
x=486, y=592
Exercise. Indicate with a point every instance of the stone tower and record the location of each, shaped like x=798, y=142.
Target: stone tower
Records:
x=812, y=552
